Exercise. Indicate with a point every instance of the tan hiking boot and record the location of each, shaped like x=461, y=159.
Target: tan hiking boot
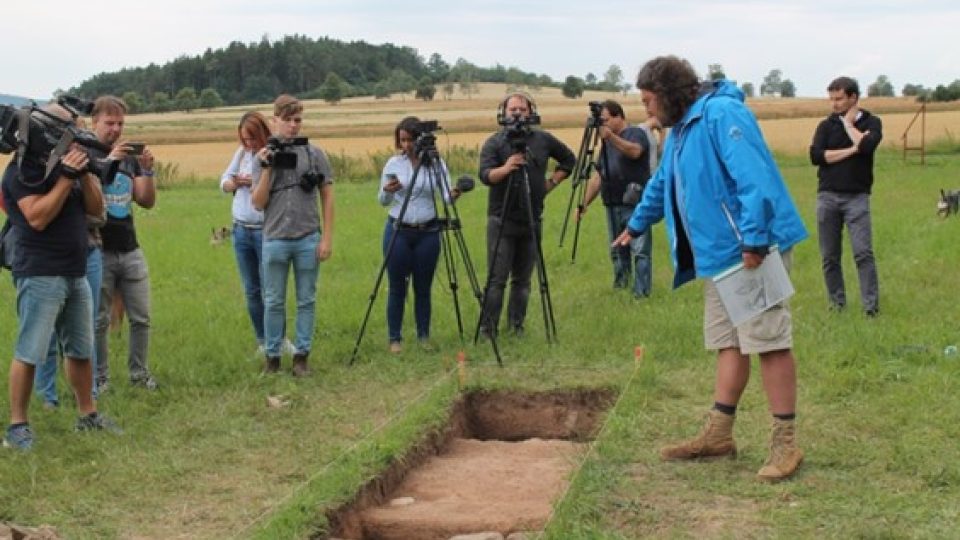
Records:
x=715, y=440
x=784, y=457
x=300, y=368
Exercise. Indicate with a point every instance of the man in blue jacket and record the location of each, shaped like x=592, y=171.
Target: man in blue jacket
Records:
x=725, y=203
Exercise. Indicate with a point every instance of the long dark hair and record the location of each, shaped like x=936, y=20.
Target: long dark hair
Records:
x=411, y=125
x=675, y=83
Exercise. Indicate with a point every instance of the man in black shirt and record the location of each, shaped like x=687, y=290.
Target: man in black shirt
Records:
x=515, y=254
x=624, y=168
x=124, y=266
x=843, y=148
x=47, y=213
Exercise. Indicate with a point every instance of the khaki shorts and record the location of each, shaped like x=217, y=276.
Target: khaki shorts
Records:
x=771, y=331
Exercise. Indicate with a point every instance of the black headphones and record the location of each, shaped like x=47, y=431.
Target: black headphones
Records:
x=502, y=109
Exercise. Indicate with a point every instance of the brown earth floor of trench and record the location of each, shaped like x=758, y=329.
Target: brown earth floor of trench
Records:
x=477, y=486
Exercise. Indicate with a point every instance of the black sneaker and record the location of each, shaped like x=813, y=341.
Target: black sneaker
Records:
x=97, y=422
x=272, y=365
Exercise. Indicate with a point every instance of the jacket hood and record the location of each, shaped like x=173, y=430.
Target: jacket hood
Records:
x=711, y=89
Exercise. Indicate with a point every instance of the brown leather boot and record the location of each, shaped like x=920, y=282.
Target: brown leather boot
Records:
x=714, y=440
x=272, y=365
x=784, y=457
x=300, y=368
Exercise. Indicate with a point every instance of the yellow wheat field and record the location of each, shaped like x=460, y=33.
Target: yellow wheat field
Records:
x=202, y=142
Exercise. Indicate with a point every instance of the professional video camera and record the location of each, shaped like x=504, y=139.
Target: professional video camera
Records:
x=517, y=128
x=42, y=137
x=426, y=140
x=281, y=154
x=595, y=109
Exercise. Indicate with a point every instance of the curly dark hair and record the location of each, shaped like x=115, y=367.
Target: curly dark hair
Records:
x=675, y=83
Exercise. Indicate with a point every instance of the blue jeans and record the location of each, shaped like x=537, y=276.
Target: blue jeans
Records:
x=278, y=256
x=45, y=380
x=248, y=247
x=51, y=305
x=635, y=256
x=415, y=253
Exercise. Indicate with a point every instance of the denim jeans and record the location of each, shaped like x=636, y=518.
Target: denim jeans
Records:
x=53, y=304
x=278, y=256
x=834, y=210
x=633, y=258
x=513, y=257
x=127, y=274
x=248, y=248
x=45, y=379
x=415, y=253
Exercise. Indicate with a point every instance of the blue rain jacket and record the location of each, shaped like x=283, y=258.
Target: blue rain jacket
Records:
x=718, y=188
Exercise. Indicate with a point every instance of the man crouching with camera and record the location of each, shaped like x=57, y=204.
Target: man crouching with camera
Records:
x=293, y=174
x=48, y=215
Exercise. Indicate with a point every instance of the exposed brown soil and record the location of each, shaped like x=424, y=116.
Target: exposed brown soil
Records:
x=498, y=465
x=18, y=532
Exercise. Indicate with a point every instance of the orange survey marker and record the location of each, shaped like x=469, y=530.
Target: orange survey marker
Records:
x=462, y=368
x=638, y=354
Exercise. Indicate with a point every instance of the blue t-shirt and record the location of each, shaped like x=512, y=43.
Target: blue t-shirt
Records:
x=118, y=232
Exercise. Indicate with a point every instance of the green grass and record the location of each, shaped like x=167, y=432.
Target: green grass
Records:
x=205, y=457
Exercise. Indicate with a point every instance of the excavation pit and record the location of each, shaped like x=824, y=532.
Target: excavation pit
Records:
x=497, y=466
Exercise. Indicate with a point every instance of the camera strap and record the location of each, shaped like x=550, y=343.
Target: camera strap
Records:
x=58, y=152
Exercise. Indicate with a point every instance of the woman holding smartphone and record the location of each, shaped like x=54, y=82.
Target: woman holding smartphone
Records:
x=239, y=179
x=416, y=248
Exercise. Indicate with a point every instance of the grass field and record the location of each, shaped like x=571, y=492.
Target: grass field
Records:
x=205, y=457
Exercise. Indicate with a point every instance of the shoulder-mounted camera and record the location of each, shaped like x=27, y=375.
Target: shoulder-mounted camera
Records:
x=43, y=137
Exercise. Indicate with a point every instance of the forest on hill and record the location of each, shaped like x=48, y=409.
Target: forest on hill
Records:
x=310, y=68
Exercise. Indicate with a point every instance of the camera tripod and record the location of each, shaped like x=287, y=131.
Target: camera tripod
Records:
x=518, y=187
x=580, y=175
x=451, y=234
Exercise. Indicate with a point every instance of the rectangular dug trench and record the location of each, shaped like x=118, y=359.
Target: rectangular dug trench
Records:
x=497, y=466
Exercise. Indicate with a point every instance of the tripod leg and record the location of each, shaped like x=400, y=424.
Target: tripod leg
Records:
x=373, y=297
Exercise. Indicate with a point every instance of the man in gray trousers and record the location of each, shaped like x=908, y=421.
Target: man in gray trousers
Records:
x=843, y=148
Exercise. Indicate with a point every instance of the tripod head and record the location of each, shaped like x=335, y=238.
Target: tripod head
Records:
x=594, y=119
x=426, y=144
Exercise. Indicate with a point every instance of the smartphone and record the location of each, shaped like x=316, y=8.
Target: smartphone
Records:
x=136, y=148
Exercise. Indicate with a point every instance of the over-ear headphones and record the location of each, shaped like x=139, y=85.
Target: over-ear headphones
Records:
x=502, y=109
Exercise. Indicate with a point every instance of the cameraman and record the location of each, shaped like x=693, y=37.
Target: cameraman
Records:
x=291, y=229
x=507, y=153
x=624, y=168
x=124, y=265
x=48, y=217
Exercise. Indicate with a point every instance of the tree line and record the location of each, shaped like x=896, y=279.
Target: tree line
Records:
x=330, y=69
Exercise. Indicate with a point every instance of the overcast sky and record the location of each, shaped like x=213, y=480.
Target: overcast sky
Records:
x=811, y=42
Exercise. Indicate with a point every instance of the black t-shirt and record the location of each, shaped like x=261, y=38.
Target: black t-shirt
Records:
x=541, y=146
x=118, y=232
x=61, y=248
x=617, y=170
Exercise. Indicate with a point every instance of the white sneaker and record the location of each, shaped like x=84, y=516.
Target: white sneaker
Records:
x=288, y=348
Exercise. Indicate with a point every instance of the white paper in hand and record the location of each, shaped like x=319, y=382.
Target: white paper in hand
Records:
x=746, y=293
